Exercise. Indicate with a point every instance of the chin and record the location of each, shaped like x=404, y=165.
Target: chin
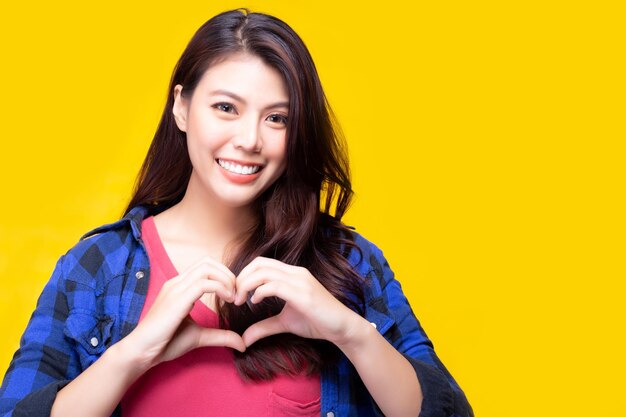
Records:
x=238, y=201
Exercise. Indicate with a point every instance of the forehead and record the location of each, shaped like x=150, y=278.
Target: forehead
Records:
x=245, y=75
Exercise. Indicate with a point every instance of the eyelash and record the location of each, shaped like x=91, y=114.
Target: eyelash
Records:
x=222, y=106
x=282, y=119
x=229, y=108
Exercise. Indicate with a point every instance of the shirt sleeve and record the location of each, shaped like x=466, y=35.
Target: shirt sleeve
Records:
x=442, y=395
x=44, y=362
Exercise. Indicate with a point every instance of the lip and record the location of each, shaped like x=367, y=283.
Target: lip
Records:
x=239, y=178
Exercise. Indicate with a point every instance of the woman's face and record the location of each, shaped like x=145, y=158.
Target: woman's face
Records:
x=236, y=126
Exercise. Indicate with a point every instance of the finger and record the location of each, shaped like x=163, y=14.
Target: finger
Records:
x=220, y=266
x=263, y=328
x=211, y=261
x=255, y=278
x=199, y=288
x=179, y=301
x=263, y=270
x=210, y=267
x=190, y=336
x=271, y=289
x=201, y=273
x=206, y=272
x=220, y=337
x=263, y=262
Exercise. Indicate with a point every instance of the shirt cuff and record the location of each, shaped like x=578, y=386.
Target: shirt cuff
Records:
x=39, y=403
x=436, y=390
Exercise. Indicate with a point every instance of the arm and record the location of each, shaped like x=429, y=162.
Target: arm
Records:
x=44, y=363
x=442, y=395
x=165, y=333
x=46, y=377
x=113, y=373
x=400, y=370
x=311, y=311
x=387, y=374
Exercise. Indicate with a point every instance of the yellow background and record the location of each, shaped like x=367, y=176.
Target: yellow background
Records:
x=486, y=140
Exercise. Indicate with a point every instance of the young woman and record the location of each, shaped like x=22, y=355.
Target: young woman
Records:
x=230, y=286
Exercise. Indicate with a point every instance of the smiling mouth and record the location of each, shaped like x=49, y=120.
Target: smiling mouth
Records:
x=239, y=169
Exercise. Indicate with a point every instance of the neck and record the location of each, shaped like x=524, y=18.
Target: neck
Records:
x=199, y=220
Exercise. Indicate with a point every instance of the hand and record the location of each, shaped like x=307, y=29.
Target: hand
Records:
x=168, y=332
x=310, y=310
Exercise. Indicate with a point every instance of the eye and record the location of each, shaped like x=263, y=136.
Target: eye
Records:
x=277, y=118
x=225, y=107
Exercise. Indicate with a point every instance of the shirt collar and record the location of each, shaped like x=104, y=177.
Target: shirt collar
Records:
x=134, y=217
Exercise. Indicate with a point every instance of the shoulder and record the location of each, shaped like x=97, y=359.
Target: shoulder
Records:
x=368, y=260
x=103, y=252
x=385, y=302
x=365, y=255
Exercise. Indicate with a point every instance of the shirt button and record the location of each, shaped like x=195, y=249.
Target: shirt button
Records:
x=139, y=274
x=330, y=414
x=373, y=324
x=94, y=341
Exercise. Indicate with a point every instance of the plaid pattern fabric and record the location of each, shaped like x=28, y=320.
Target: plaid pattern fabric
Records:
x=95, y=296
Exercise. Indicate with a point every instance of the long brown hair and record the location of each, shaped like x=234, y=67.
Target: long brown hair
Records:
x=299, y=216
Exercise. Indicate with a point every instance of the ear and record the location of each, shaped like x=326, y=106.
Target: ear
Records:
x=180, y=108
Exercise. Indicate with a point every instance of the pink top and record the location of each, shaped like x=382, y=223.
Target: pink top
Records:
x=204, y=381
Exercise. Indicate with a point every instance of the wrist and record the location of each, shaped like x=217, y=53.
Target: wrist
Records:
x=126, y=355
x=360, y=332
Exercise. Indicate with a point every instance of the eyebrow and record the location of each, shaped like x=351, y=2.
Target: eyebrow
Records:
x=240, y=99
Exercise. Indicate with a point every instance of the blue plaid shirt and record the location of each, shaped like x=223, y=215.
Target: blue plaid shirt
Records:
x=95, y=296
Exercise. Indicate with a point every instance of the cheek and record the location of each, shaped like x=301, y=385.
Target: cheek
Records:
x=278, y=148
x=209, y=136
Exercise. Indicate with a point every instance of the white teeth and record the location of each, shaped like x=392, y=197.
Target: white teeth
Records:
x=239, y=169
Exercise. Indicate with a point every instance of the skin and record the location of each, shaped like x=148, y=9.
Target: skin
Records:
x=244, y=121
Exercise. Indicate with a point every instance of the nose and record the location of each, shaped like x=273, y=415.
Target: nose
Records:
x=249, y=137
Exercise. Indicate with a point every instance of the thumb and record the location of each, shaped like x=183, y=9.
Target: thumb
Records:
x=220, y=337
x=190, y=336
x=263, y=328
x=201, y=336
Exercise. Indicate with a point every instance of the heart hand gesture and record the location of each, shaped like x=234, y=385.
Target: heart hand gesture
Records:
x=168, y=332
x=310, y=310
